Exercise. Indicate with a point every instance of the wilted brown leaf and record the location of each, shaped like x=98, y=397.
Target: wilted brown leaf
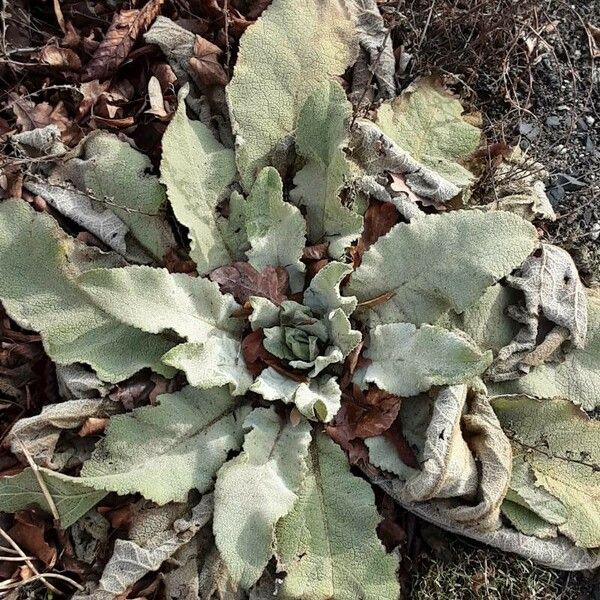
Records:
x=93, y=426
x=28, y=533
x=254, y=352
x=242, y=280
x=62, y=59
x=122, y=34
x=358, y=453
x=204, y=64
x=379, y=410
x=176, y=261
x=91, y=92
x=380, y=217
x=33, y=116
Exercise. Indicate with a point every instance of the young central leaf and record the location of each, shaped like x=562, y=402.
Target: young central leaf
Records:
x=255, y=489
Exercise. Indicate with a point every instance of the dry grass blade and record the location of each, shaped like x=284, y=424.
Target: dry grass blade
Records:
x=40, y=480
x=22, y=554
x=122, y=34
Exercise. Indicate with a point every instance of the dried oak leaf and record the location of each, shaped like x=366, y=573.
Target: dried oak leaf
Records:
x=62, y=59
x=242, y=280
x=122, y=34
x=204, y=64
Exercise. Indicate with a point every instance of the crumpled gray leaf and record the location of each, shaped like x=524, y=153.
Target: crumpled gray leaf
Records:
x=375, y=187
x=44, y=141
x=215, y=581
x=553, y=291
x=557, y=553
x=465, y=460
x=376, y=56
x=78, y=207
x=40, y=434
x=391, y=158
x=131, y=561
x=181, y=583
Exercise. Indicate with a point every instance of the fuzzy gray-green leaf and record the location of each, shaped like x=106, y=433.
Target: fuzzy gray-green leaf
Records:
x=440, y=262
x=196, y=170
x=39, y=291
x=284, y=57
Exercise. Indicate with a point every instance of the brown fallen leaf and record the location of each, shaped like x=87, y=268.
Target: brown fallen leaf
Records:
x=62, y=59
x=28, y=532
x=380, y=217
x=379, y=411
x=31, y=116
x=256, y=8
x=91, y=92
x=316, y=252
x=242, y=280
x=254, y=352
x=356, y=449
x=126, y=27
x=205, y=67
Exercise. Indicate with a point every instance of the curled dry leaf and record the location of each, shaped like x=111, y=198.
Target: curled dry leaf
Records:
x=163, y=535
x=453, y=472
x=126, y=27
x=63, y=59
x=553, y=292
x=519, y=186
x=242, y=280
x=376, y=62
x=40, y=434
x=155, y=97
